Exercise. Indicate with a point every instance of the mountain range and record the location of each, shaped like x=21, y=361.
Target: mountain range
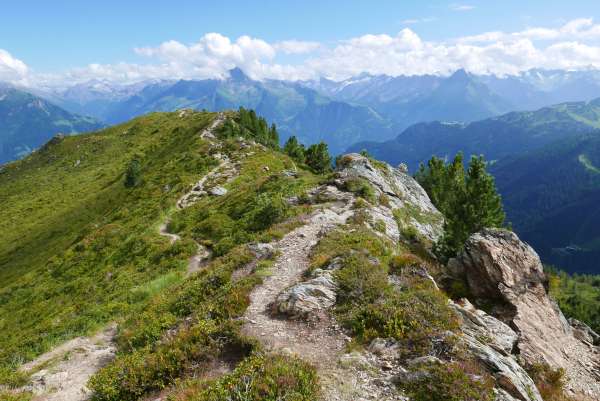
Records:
x=184, y=256
x=341, y=113
x=28, y=121
x=495, y=137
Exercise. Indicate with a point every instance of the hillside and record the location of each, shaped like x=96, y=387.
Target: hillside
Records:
x=498, y=137
x=27, y=122
x=183, y=256
x=556, y=186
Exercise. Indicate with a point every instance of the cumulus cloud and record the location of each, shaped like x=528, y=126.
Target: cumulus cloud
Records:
x=575, y=44
x=578, y=29
x=296, y=46
x=11, y=68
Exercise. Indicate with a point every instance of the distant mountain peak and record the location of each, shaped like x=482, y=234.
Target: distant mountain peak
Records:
x=460, y=75
x=236, y=74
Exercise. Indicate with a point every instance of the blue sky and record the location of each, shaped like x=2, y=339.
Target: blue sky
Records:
x=53, y=37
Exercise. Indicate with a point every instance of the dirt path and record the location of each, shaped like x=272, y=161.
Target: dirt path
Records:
x=203, y=254
x=318, y=343
x=163, y=230
x=62, y=374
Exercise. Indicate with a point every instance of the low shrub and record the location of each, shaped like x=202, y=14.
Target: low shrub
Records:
x=550, y=382
x=412, y=316
x=259, y=378
x=359, y=279
x=450, y=382
x=379, y=225
x=399, y=262
x=360, y=187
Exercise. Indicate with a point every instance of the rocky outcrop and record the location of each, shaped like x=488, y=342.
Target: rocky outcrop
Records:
x=394, y=190
x=507, y=273
x=491, y=342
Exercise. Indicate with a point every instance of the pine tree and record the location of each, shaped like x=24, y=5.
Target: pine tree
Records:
x=294, y=149
x=468, y=202
x=484, y=205
x=133, y=174
x=317, y=158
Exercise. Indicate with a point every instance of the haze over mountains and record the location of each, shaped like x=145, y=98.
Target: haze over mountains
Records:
x=367, y=107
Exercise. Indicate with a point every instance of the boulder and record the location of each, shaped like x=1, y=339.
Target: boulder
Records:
x=306, y=299
x=401, y=190
x=584, y=333
x=262, y=250
x=217, y=191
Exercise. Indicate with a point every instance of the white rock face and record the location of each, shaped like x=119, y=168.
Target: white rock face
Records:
x=402, y=192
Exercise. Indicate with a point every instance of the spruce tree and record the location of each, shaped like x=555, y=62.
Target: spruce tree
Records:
x=469, y=202
x=317, y=158
x=294, y=149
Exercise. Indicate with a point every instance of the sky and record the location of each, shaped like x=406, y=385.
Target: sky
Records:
x=60, y=42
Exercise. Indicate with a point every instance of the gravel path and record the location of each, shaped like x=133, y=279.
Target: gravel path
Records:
x=62, y=374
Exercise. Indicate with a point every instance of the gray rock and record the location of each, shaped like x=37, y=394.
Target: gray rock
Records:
x=401, y=190
x=289, y=173
x=583, y=332
x=502, y=395
x=217, y=191
x=489, y=341
x=262, y=250
x=426, y=360
x=478, y=324
x=507, y=273
x=385, y=348
x=306, y=299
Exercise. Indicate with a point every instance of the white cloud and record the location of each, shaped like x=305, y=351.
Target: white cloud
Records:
x=461, y=7
x=415, y=21
x=575, y=44
x=578, y=29
x=296, y=46
x=11, y=68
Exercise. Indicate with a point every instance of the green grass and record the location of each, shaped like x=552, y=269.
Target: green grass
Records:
x=76, y=241
x=82, y=250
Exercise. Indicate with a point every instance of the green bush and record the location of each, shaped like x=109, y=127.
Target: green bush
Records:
x=360, y=279
x=450, y=382
x=268, y=209
x=412, y=316
x=317, y=158
x=550, y=382
x=133, y=174
x=259, y=378
x=360, y=187
x=399, y=262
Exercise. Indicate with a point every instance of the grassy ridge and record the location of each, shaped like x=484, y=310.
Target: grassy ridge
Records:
x=75, y=240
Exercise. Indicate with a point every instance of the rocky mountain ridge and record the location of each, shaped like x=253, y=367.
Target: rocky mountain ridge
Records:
x=348, y=286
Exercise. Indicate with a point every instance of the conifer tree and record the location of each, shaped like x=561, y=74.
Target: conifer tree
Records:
x=469, y=202
x=317, y=158
x=294, y=149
